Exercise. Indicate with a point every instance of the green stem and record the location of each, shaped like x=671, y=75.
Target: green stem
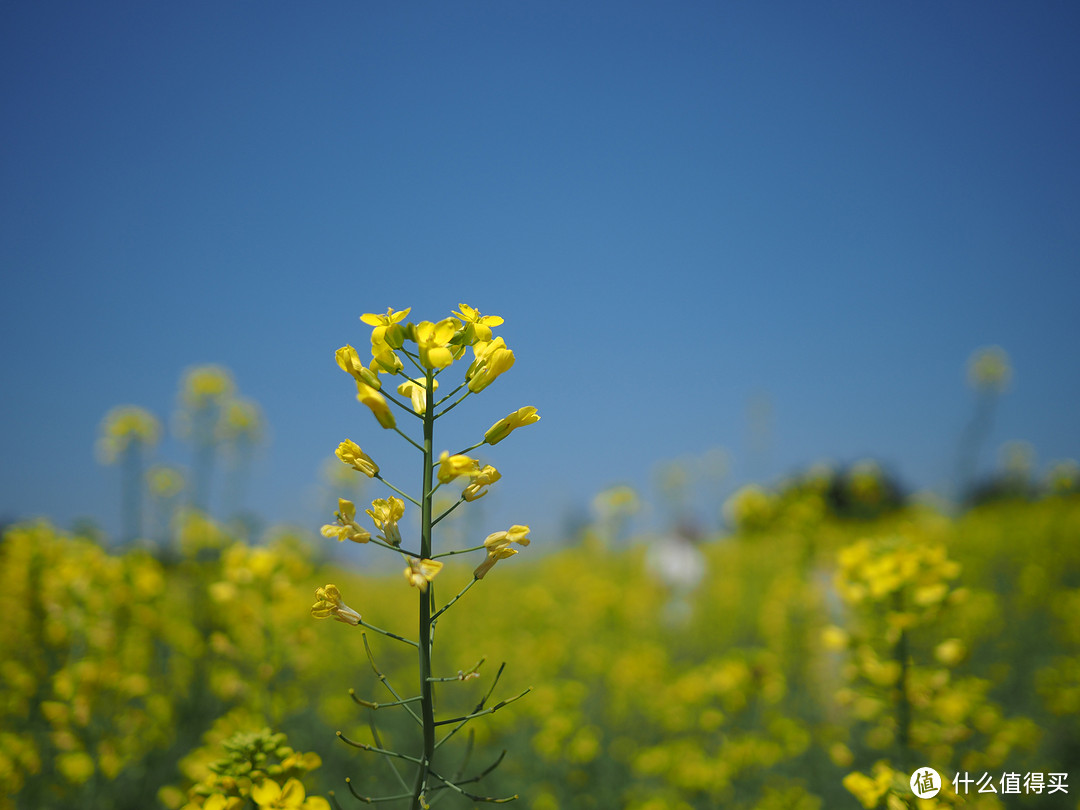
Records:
x=386, y=633
x=427, y=706
x=444, y=514
x=441, y=401
x=398, y=491
x=403, y=406
x=473, y=447
x=459, y=551
x=453, y=405
x=460, y=594
x=408, y=438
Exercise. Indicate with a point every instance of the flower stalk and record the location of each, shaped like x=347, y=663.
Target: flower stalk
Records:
x=437, y=347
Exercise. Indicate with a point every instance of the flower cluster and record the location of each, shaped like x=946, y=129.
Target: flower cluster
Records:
x=429, y=348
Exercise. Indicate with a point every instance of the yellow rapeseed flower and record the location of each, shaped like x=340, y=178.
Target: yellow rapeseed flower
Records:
x=387, y=327
x=477, y=487
x=349, y=360
x=385, y=513
x=491, y=359
x=519, y=418
x=346, y=527
x=498, y=547
x=328, y=603
x=477, y=326
x=421, y=572
x=416, y=390
x=377, y=402
x=432, y=340
x=450, y=467
x=493, y=556
x=350, y=453
x=515, y=534
x=290, y=796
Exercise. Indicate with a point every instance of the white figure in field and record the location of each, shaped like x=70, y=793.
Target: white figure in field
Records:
x=678, y=563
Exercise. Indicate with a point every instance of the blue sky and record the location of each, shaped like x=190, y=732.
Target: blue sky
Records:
x=678, y=209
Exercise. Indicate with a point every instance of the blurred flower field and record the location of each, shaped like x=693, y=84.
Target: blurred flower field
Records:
x=815, y=662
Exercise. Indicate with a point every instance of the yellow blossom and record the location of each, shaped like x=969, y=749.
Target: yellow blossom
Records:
x=328, y=603
x=498, y=547
x=519, y=418
x=387, y=327
x=491, y=359
x=377, y=402
x=477, y=487
x=477, y=326
x=385, y=513
x=290, y=796
x=416, y=390
x=350, y=453
x=346, y=527
x=495, y=554
x=432, y=340
x=421, y=572
x=450, y=467
x=515, y=534
x=349, y=360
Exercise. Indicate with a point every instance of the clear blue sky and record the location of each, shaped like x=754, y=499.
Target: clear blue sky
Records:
x=676, y=207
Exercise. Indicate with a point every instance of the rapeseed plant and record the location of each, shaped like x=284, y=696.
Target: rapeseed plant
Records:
x=437, y=346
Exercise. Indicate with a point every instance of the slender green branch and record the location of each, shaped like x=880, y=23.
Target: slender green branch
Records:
x=385, y=680
x=479, y=706
x=457, y=503
x=402, y=405
x=375, y=799
x=398, y=491
x=453, y=405
x=388, y=760
x=441, y=401
x=472, y=447
x=387, y=633
x=398, y=549
x=462, y=676
x=376, y=749
x=489, y=710
x=408, y=438
x=473, y=796
x=459, y=551
x=373, y=705
x=460, y=594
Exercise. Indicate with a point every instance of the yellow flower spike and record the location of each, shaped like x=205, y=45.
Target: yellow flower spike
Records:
x=432, y=340
x=477, y=487
x=349, y=361
x=376, y=402
x=421, y=572
x=477, y=326
x=515, y=534
x=494, y=555
x=350, y=453
x=519, y=418
x=387, y=329
x=450, y=467
x=328, y=603
x=492, y=359
x=385, y=513
x=346, y=527
x=416, y=390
